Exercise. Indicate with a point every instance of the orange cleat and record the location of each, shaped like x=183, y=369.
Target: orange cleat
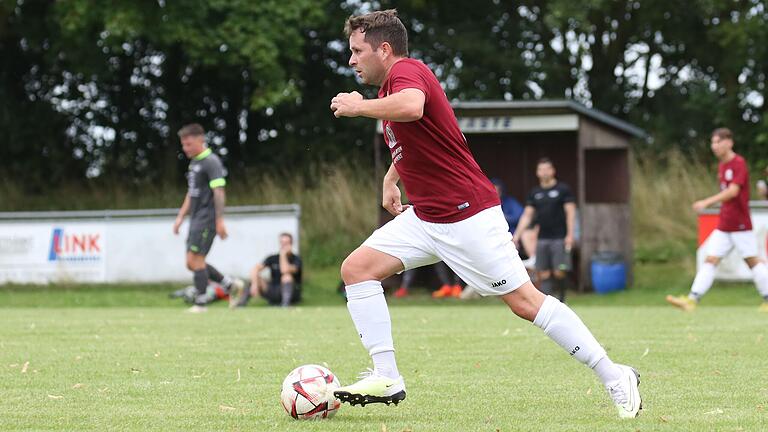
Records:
x=444, y=291
x=456, y=291
x=401, y=292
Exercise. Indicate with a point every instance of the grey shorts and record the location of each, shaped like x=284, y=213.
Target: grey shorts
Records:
x=200, y=240
x=551, y=255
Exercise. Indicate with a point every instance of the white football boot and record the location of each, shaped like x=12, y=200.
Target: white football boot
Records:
x=372, y=388
x=626, y=393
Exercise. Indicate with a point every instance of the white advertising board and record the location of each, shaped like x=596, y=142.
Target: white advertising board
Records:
x=131, y=245
x=733, y=267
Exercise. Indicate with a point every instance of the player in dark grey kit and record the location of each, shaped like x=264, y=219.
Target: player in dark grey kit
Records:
x=205, y=205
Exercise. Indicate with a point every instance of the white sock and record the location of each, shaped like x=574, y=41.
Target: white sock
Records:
x=760, y=275
x=384, y=364
x=703, y=281
x=607, y=370
x=564, y=327
x=368, y=308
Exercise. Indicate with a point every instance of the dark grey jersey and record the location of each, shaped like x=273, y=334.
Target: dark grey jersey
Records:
x=205, y=173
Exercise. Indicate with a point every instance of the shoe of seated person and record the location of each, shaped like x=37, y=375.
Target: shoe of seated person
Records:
x=236, y=292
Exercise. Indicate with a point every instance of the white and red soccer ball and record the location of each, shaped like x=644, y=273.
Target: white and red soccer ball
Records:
x=308, y=393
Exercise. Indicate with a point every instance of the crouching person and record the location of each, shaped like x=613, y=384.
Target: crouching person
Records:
x=284, y=285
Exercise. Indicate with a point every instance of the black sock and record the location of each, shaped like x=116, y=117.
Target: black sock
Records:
x=442, y=273
x=201, y=283
x=561, y=285
x=286, y=292
x=546, y=285
x=214, y=274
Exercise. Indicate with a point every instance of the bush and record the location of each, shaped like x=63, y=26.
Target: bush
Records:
x=664, y=186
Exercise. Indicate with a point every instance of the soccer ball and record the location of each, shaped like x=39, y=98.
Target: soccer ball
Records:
x=308, y=393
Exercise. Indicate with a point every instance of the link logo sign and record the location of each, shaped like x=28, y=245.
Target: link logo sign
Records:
x=75, y=246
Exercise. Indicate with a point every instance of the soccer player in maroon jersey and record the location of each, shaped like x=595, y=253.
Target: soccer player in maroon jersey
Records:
x=455, y=217
x=734, y=229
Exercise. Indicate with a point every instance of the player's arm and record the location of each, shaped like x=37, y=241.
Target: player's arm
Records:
x=406, y=105
x=219, y=202
x=729, y=193
x=391, y=198
x=285, y=265
x=182, y=212
x=525, y=220
x=570, y=221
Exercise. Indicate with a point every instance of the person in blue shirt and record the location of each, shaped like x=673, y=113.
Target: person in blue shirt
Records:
x=509, y=205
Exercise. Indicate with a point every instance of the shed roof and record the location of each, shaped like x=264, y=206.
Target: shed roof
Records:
x=553, y=107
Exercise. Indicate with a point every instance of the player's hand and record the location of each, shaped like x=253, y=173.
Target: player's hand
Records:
x=345, y=104
x=221, y=230
x=699, y=206
x=517, y=240
x=176, y=225
x=568, y=243
x=391, y=199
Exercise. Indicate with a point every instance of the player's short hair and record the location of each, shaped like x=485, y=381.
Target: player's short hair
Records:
x=287, y=234
x=545, y=160
x=379, y=27
x=192, y=129
x=723, y=133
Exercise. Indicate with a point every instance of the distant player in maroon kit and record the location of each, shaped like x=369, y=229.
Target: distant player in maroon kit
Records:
x=456, y=217
x=734, y=229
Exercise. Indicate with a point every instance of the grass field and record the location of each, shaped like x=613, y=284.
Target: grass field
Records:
x=130, y=359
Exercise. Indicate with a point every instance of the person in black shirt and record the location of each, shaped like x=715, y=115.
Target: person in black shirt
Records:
x=284, y=286
x=554, y=207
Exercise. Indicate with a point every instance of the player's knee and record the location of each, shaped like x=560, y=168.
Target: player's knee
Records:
x=195, y=261
x=286, y=278
x=351, y=271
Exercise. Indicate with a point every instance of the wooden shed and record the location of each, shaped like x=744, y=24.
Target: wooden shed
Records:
x=590, y=150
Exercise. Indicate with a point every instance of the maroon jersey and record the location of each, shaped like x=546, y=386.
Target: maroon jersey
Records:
x=441, y=177
x=734, y=213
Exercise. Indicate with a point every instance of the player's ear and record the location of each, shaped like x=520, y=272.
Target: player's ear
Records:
x=386, y=50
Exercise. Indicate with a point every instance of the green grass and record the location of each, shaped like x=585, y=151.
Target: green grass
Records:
x=131, y=359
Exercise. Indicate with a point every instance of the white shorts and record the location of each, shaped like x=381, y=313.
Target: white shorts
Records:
x=478, y=249
x=721, y=242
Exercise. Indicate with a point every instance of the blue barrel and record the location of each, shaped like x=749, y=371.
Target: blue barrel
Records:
x=609, y=272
